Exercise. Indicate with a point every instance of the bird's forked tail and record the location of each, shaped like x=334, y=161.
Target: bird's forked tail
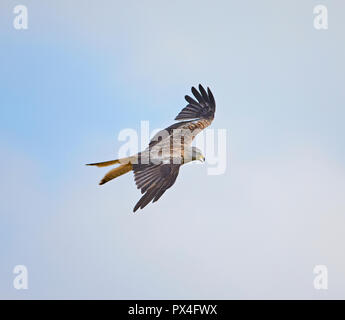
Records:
x=113, y=173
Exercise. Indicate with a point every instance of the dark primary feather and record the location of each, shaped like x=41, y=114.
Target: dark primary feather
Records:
x=153, y=180
x=210, y=95
x=203, y=107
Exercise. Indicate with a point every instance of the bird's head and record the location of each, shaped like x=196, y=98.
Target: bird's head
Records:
x=197, y=154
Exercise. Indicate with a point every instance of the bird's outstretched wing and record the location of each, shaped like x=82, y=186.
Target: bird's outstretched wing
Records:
x=198, y=114
x=153, y=180
x=203, y=107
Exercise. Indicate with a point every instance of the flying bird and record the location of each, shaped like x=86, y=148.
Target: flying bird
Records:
x=157, y=167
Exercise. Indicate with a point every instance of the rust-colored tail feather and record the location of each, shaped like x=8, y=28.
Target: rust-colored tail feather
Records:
x=105, y=163
x=116, y=172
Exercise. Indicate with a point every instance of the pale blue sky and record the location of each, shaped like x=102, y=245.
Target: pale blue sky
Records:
x=85, y=70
